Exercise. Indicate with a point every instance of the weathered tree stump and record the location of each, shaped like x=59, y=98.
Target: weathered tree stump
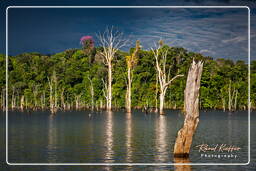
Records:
x=184, y=167
x=191, y=108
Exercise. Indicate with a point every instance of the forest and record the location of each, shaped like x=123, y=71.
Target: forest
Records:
x=79, y=79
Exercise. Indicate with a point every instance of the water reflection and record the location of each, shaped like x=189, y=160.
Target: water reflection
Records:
x=128, y=133
x=161, y=139
x=230, y=128
x=52, y=141
x=108, y=141
x=182, y=167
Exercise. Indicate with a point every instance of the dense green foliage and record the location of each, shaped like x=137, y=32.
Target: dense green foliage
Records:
x=29, y=76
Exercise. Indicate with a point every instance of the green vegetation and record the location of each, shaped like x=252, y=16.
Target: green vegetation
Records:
x=77, y=80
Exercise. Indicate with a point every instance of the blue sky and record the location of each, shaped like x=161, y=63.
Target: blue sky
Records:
x=214, y=32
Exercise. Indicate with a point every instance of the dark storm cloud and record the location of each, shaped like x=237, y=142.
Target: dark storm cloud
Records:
x=214, y=32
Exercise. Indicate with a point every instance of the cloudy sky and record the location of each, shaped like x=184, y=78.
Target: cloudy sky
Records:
x=220, y=33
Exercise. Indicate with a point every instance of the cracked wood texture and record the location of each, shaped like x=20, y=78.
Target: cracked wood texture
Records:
x=191, y=108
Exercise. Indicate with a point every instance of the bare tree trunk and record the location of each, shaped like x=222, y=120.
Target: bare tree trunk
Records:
x=163, y=77
x=55, y=92
x=77, y=101
x=41, y=101
x=105, y=92
x=109, y=96
x=63, y=105
x=185, y=134
x=223, y=104
x=35, y=93
x=156, y=97
x=110, y=41
x=53, y=98
x=229, y=97
x=92, y=93
x=128, y=94
x=26, y=102
x=51, y=95
x=182, y=167
x=22, y=103
x=162, y=97
x=101, y=104
x=131, y=62
x=13, y=98
x=235, y=105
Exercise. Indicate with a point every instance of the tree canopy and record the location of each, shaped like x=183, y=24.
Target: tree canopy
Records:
x=29, y=73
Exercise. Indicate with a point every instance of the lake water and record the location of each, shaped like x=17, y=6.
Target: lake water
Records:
x=118, y=137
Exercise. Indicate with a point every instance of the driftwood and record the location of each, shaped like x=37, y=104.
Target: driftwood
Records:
x=191, y=107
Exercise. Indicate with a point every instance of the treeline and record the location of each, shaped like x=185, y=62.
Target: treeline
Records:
x=76, y=79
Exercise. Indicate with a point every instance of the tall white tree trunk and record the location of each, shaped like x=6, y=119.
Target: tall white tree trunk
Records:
x=229, y=97
x=22, y=103
x=13, y=98
x=161, y=98
x=53, y=93
x=156, y=97
x=131, y=62
x=128, y=94
x=163, y=77
x=51, y=96
x=62, y=99
x=235, y=103
x=110, y=41
x=92, y=93
x=109, y=99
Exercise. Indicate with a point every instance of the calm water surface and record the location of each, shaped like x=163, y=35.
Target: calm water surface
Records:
x=118, y=137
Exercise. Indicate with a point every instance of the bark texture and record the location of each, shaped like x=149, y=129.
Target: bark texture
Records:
x=184, y=167
x=131, y=62
x=191, y=107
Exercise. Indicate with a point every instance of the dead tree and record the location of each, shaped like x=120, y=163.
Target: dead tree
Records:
x=110, y=41
x=22, y=103
x=92, y=93
x=13, y=101
x=53, y=89
x=163, y=77
x=232, y=97
x=42, y=99
x=185, y=167
x=191, y=108
x=77, y=101
x=131, y=62
x=104, y=90
x=62, y=99
x=35, y=94
x=156, y=93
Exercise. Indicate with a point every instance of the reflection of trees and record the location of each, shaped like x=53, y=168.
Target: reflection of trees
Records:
x=128, y=134
x=230, y=129
x=108, y=141
x=182, y=167
x=161, y=139
x=52, y=140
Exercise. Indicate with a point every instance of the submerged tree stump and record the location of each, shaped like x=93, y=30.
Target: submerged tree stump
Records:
x=185, y=167
x=191, y=107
